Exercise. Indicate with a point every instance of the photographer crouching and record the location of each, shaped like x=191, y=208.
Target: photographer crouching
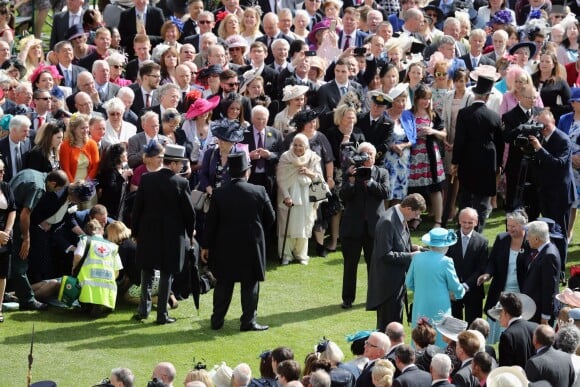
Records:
x=363, y=194
x=553, y=165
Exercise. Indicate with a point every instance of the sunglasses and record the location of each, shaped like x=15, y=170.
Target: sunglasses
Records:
x=440, y=74
x=204, y=22
x=233, y=84
x=43, y=98
x=117, y=66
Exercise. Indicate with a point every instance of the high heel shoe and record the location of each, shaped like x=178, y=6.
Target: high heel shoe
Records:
x=321, y=251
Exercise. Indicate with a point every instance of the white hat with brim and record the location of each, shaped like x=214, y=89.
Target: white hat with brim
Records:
x=507, y=376
x=403, y=42
x=450, y=327
x=221, y=375
x=569, y=297
x=528, y=307
x=398, y=90
x=486, y=71
x=293, y=91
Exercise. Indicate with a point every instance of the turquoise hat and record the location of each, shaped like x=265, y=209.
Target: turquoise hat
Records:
x=440, y=237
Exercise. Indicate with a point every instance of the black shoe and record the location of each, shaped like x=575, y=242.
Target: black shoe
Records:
x=165, y=320
x=139, y=317
x=321, y=251
x=253, y=327
x=217, y=327
x=346, y=305
x=34, y=305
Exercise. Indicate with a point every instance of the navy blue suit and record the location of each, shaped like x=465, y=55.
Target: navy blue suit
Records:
x=358, y=39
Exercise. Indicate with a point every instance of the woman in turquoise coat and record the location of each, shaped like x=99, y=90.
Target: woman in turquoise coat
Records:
x=433, y=279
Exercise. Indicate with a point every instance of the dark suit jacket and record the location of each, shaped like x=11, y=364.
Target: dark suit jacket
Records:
x=285, y=77
x=363, y=204
x=59, y=28
x=554, y=171
x=464, y=377
x=193, y=40
x=478, y=148
x=135, y=148
x=378, y=134
x=264, y=39
x=497, y=267
x=6, y=155
x=551, y=365
x=273, y=142
x=128, y=27
x=460, y=50
x=470, y=266
x=413, y=377
x=443, y=383
x=358, y=39
x=76, y=70
x=239, y=213
x=366, y=376
x=391, y=259
x=132, y=70
x=515, y=343
x=483, y=60
x=86, y=62
x=329, y=93
x=163, y=218
x=138, y=102
x=541, y=280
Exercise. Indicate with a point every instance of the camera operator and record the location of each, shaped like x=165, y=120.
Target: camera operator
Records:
x=553, y=164
x=512, y=120
x=363, y=194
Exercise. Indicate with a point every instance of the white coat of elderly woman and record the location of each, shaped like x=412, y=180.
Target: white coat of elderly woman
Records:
x=297, y=169
x=117, y=129
x=433, y=279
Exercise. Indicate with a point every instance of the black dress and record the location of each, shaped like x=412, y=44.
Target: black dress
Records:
x=111, y=184
x=5, y=255
x=37, y=161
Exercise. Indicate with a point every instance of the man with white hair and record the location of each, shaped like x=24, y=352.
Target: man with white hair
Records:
x=376, y=346
x=374, y=18
x=150, y=124
x=15, y=146
x=475, y=56
x=440, y=370
x=540, y=271
x=206, y=23
x=101, y=72
x=122, y=377
x=242, y=375
x=279, y=49
x=164, y=372
x=499, y=41
x=186, y=53
x=265, y=147
x=127, y=95
x=272, y=32
x=165, y=97
x=319, y=378
x=85, y=83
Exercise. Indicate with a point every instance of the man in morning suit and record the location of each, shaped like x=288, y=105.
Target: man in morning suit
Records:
x=15, y=146
x=265, y=147
x=467, y=346
x=541, y=271
x=478, y=151
x=475, y=56
x=469, y=257
x=520, y=114
x=411, y=375
x=234, y=245
x=62, y=21
x=363, y=198
x=515, y=343
x=556, y=188
x=549, y=364
x=330, y=93
x=149, y=19
x=163, y=221
x=375, y=125
x=392, y=254
x=69, y=71
x=440, y=370
x=376, y=346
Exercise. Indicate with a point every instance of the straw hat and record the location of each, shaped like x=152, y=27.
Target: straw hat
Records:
x=486, y=71
x=507, y=377
x=293, y=91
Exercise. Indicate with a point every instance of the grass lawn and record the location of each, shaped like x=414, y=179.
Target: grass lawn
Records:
x=300, y=303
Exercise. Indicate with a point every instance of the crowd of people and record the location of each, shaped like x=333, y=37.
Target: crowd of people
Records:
x=302, y=128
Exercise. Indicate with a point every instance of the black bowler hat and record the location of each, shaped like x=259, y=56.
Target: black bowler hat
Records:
x=484, y=85
x=238, y=163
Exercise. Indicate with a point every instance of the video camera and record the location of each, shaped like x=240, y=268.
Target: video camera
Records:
x=526, y=130
x=349, y=156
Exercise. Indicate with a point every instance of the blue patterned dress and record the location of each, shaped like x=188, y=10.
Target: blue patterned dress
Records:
x=398, y=166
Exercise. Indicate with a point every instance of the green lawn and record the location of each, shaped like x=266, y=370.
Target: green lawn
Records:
x=300, y=303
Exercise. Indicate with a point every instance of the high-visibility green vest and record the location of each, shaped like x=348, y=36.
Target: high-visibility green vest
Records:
x=97, y=275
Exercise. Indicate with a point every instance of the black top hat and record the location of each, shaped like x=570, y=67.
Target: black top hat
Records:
x=484, y=85
x=74, y=32
x=305, y=116
x=226, y=130
x=237, y=164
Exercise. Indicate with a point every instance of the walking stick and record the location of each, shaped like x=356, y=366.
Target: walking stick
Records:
x=30, y=359
x=285, y=233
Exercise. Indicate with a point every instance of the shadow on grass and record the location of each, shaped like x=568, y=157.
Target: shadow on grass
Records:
x=82, y=332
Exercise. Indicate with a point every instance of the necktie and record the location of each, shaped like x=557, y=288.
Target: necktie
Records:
x=18, y=158
x=147, y=100
x=474, y=62
x=260, y=163
x=346, y=42
x=533, y=255
x=40, y=121
x=406, y=233
x=373, y=122
x=139, y=21
x=529, y=114
x=342, y=90
x=67, y=78
x=464, y=243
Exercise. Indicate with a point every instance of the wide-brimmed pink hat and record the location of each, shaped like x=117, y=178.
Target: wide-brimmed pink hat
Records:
x=321, y=25
x=202, y=106
x=569, y=297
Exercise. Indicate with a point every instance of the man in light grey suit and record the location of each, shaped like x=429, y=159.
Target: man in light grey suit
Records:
x=101, y=72
x=150, y=124
x=392, y=254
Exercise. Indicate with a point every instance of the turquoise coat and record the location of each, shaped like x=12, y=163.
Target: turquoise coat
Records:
x=432, y=278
